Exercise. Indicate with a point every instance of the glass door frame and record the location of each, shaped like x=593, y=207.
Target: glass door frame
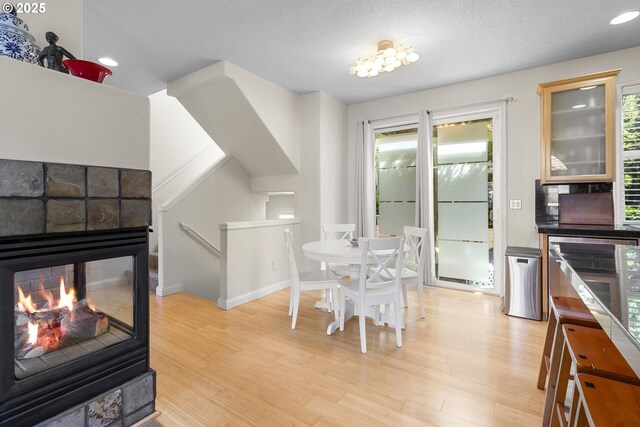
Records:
x=497, y=113
x=410, y=123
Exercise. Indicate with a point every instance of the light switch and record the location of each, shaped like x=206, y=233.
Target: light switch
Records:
x=515, y=204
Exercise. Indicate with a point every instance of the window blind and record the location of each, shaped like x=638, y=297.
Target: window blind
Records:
x=631, y=152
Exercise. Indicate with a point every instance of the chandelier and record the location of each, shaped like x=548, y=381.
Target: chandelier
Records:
x=386, y=59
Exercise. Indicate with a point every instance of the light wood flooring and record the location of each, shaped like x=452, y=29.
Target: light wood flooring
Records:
x=466, y=364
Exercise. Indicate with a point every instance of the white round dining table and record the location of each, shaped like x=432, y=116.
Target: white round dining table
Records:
x=336, y=252
x=332, y=251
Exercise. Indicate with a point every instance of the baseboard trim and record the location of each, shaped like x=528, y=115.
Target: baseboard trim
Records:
x=229, y=303
x=168, y=290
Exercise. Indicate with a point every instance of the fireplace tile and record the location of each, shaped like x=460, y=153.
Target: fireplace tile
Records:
x=20, y=217
x=21, y=179
x=135, y=183
x=65, y=215
x=138, y=393
x=73, y=352
x=135, y=213
x=54, y=358
x=74, y=418
x=32, y=274
x=102, y=182
x=66, y=181
x=103, y=214
x=139, y=415
x=105, y=411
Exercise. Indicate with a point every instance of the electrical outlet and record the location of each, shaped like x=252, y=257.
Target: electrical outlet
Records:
x=515, y=204
x=274, y=266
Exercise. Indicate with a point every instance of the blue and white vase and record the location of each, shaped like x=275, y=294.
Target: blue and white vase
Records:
x=15, y=40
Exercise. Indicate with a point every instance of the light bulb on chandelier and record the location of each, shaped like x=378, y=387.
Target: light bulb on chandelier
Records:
x=386, y=59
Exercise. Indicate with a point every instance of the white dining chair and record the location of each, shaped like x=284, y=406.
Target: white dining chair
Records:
x=414, y=261
x=378, y=283
x=338, y=232
x=307, y=281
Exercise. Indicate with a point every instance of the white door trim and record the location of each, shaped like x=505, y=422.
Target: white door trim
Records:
x=498, y=113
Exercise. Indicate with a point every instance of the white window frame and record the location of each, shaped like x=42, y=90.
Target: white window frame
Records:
x=622, y=89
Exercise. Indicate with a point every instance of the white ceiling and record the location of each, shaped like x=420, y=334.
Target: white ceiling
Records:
x=308, y=45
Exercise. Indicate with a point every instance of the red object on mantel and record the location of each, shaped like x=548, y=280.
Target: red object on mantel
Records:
x=87, y=69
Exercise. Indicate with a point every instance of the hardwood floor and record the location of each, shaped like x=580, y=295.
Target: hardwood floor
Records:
x=466, y=364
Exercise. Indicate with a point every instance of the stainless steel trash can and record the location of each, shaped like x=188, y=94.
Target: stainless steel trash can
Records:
x=523, y=287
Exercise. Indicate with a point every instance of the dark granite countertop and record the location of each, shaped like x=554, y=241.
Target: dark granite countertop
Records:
x=607, y=279
x=555, y=228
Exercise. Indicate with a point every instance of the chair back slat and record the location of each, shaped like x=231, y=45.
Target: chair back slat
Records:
x=379, y=257
x=338, y=231
x=293, y=267
x=416, y=253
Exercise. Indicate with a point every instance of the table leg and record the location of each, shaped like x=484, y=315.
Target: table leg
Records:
x=335, y=325
x=324, y=302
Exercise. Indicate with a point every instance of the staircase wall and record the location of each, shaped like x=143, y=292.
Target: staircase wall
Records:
x=224, y=196
x=181, y=151
x=250, y=118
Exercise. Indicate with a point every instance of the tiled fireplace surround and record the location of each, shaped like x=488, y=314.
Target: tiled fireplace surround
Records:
x=44, y=201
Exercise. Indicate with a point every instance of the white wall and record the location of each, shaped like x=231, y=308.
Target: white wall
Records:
x=333, y=160
x=276, y=106
x=254, y=260
x=176, y=137
x=181, y=151
x=55, y=117
x=277, y=202
x=320, y=188
x=63, y=17
x=307, y=190
x=523, y=123
x=249, y=117
x=224, y=196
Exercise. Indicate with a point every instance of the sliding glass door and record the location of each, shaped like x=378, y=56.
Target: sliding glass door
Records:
x=463, y=202
x=444, y=171
x=395, y=157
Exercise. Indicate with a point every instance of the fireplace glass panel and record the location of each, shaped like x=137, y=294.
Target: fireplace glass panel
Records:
x=69, y=311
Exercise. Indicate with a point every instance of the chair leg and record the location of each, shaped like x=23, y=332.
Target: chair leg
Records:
x=420, y=289
x=557, y=394
x=405, y=298
x=398, y=312
x=342, y=304
x=548, y=344
x=290, y=300
x=556, y=359
x=296, y=304
x=363, y=332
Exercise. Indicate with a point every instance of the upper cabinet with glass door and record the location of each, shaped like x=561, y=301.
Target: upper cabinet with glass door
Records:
x=578, y=129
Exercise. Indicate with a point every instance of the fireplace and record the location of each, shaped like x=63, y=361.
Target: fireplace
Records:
x=74, y=295
x=76, y=309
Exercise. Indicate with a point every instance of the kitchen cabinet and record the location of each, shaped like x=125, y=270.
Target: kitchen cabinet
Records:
x=578, y=129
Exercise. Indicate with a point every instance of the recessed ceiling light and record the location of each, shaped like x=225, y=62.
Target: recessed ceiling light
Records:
x=624, y=17
x=108, y=62
x=579, y=106
x=588, y=87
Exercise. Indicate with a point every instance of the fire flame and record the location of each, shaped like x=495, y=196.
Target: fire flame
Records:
x=67, y=299
x=33, y=333
x=25, y=304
